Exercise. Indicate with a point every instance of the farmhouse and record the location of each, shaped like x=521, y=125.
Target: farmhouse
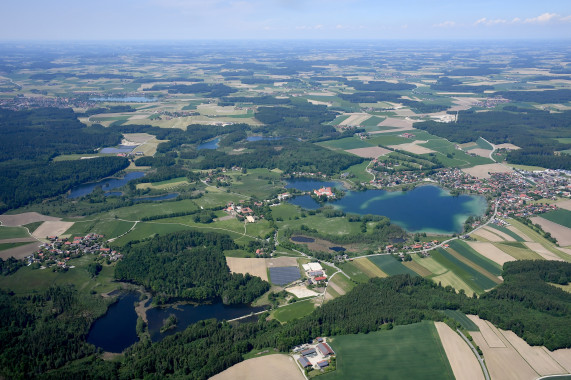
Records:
x=323, y=363
x=324, y=349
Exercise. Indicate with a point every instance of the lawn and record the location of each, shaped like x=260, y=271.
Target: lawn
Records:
x=405, y=352
x=462, y=319
x=560, y=216
x=294, y=311
x=470, y=254
x=390, y=265
x=13, y=232
x=469, y=275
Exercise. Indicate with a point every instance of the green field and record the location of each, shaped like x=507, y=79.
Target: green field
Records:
x=469, y=253
x=388, y=139
x=145, y=230
x=506, y=231
x=339, y=119
x=390, y=265
x=138, y=211
x=462, y=319
x=27, y=280
x=560, y=216
x=13, y=232
x=373, y=121
x=518, y=252
x=354, y=272
x=476, y=280
x=359, y=173
x=483, y=144
x=108, y=228
x=405, y=352
x=285, y=211
x=294, y=311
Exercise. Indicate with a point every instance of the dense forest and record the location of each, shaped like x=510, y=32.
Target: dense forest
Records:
x=188, y=265
x=535, y=132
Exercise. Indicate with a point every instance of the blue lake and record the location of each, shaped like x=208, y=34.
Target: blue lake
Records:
x=106, y=184
x=157, y=197
x=115, y=331
x=212, y=144
x=424, y=209
x=125, y=99
x=188, y=314
x=305, y=201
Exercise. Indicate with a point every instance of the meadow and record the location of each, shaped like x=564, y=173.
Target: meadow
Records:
x=405, y=352
x=294, y=311
x=391, y=266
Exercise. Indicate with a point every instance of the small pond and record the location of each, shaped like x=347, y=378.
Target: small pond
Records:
x=106, y=184
x=115, y=331
x=188, y=314
x=212, y=144
x=338, y=249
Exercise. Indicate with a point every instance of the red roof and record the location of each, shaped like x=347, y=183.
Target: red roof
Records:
x=321, y=278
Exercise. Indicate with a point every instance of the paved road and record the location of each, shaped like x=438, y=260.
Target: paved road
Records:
x=480, y=359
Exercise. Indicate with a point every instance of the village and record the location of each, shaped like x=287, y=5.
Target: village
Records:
x=58, y=251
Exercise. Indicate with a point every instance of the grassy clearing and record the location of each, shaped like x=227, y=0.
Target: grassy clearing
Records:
x=390, y=265
x=560, y=216
x=294, y=311
x=369, y=268
x=343, y=282
x=506, y=231
x=413, y=265
x=567, y=287
x=359, y=174
x=470, y=254
x=28, y=281
x=518, y=253
x=462, y=319
x=108, y=228
x=13, y=232
x=405, y=352
x=354, y=272
x=466, y=273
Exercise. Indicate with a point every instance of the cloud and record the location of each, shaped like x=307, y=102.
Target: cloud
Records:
x=485, y=21
x=541, y=19
x=445, y=24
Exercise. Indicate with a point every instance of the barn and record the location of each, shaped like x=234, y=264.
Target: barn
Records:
x=325, y=349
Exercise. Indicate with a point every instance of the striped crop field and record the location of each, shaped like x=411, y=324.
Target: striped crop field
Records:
x=390, y=265
x=472, y=255
x=369, y=268
x=506, y=231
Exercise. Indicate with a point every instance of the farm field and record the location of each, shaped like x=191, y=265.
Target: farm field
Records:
x=519, y=252
x=481, y=171
x=496, y=231
x=506, y=231
x=294, y=311
x=275, y=367
x=390, y=265
x=367, y=267
x=510, y=357
x=462, y=360
x=475, y=280
x=51, y=228
x=341, y=284
x=25, y=218
x=13, y=232
x=491, y=252
x=534, y=236
x=417, y=268
x=379, y=355
x=487, y=236
x=108, y=228
x=354, y=272
x=558, y=231
x=346, y=143
x=461, y=318
x=253, y=266
x=466, y=251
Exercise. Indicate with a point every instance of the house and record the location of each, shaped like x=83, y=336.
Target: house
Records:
x=323, y=364
x=324, y=191
x=325, y=349
x=304, y=362
x=309, y=352
x=321, y=278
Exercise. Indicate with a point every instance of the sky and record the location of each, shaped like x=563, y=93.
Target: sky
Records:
x=284, y=19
